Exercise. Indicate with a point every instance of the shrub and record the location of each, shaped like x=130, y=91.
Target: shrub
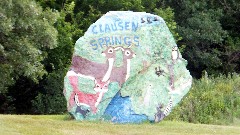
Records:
x=210, y=101
x=50, y=99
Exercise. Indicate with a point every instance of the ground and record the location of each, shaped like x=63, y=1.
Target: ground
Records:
x=62, y=125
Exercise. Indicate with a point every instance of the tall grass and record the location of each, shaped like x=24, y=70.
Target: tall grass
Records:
x=211, y=100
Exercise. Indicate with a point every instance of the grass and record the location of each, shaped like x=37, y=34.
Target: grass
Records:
x=61, y=125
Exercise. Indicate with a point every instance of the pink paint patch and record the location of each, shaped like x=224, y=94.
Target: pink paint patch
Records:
x=83, y=98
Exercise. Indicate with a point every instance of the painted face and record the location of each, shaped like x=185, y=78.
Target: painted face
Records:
x=175, y=48
x=109, y=52
x=101, y=86
x=128, y=53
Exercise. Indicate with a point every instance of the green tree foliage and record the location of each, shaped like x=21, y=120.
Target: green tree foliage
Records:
x=231, y=46
x=231, y=55
x=53, y=4
x=26, y=32
x=210, y=31
x=50, y=99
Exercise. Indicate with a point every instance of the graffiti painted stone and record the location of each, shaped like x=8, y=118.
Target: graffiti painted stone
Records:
x=126, y=69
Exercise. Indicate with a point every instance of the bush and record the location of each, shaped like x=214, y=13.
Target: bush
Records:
x=210, y=101
x=49, y=104
x=50, y=99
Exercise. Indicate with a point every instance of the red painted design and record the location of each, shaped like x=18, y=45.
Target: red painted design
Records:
x=89, y=99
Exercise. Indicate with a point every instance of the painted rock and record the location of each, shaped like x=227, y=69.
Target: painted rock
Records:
x=126, y=69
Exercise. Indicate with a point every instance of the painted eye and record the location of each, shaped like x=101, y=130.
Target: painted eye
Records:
x=105, y=86
x=127, y=53
x=97, y=86
x=110, y=50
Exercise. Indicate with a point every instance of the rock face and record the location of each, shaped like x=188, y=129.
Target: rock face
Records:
x=126, y=69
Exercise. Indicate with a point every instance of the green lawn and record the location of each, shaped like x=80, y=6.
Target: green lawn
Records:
x=61, y=125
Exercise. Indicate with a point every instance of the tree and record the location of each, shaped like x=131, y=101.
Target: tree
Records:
x=49, y=99
x=210, y=31
x=199, y=25
x=231, y=46
x=26, y=33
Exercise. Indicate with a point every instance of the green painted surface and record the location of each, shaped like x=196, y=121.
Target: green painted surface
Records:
x=156, y=80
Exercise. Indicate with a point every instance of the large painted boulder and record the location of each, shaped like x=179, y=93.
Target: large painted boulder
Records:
x=126, y=69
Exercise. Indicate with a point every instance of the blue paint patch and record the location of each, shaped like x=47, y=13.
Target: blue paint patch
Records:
x=120, y=111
